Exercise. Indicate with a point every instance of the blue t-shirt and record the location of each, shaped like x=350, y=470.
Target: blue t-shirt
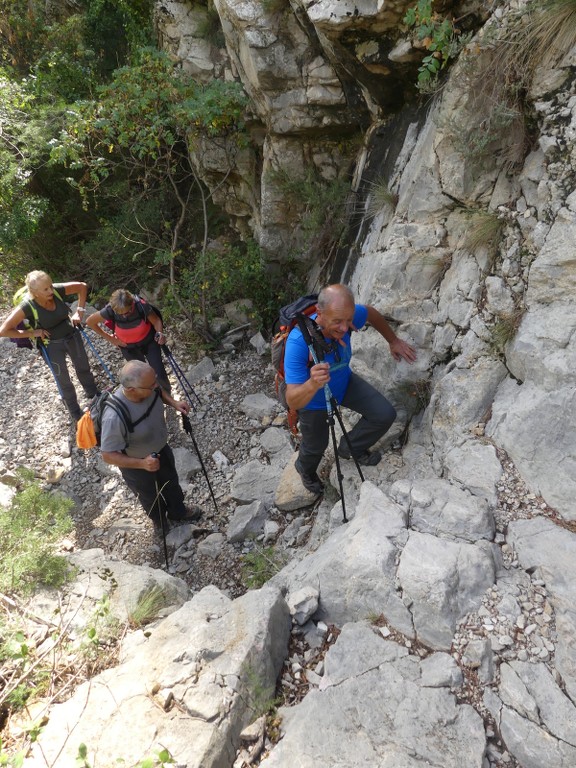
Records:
x=297, y=359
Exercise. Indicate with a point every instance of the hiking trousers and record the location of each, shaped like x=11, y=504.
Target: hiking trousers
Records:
x=149, y=352
x=377, y=413
x=72, y=347
x=158, y=492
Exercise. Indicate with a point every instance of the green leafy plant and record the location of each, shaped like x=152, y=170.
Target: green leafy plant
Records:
x=161, y=758
x=259, y=566
x=13, y=761
x=222, y=274
x=99, y=646
x=139, y=138
x=29, y=532
x=438, y=35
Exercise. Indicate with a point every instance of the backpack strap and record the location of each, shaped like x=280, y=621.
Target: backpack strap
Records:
x=157, y=393
x=122, y=412
x=139, y=307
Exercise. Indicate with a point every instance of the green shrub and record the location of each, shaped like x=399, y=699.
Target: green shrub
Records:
x=29, y=531
x=438, y=35
x=221, y=275
x=259, y=566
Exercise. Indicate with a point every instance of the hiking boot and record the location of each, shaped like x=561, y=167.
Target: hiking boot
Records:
x=310, y=480
x=193, y=512
x=365, y=459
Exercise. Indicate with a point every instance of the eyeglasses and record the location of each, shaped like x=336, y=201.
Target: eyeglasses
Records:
x=153, y=387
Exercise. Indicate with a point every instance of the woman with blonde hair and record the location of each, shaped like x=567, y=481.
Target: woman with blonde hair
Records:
x=50, y=323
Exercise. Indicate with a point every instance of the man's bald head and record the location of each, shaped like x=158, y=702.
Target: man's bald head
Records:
x=334, y=294
x=134, y=373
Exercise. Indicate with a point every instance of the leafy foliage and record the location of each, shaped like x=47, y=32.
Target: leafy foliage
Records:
x=22, y=33
x=117, y=27
x=132, y=149
x=29, y=530
x=142, y=122
x=67, y=68
x=224, y=273
x=438, y=35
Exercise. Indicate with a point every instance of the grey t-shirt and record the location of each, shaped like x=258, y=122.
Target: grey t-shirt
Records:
x=150, y=436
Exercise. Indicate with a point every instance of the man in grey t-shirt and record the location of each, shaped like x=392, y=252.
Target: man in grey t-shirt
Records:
x=144, y=457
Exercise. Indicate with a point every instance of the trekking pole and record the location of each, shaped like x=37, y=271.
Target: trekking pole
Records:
x=46, y=356
x=331, y=411
x=162, y=520
x=95, y=351
x=185, y=385
x=188, y=428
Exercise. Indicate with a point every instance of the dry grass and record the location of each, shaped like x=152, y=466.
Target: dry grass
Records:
x=380, y=197
x=545, y=34
x=505, y=329
x=484, y=230
x=498, y=71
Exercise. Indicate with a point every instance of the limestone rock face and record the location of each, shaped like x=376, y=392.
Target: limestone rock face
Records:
x=316, y=74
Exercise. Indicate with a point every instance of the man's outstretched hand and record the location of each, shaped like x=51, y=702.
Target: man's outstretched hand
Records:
x=401, y=350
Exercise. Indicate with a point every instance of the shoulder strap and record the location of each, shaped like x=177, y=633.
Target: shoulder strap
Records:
x=28, y=304
x=139, y=307
x=157, y=392
x=120, y=410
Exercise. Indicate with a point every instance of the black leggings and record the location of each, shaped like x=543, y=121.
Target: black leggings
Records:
x=149, y=352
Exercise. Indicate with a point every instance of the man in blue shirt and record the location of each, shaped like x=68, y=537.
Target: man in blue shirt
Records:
x=337, y=316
